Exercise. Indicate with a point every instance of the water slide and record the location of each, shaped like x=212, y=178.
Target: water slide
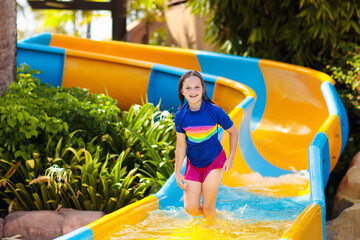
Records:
x=293, y=128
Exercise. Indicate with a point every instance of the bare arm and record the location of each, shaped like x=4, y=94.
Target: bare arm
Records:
x=180, y=153
x=234, y=138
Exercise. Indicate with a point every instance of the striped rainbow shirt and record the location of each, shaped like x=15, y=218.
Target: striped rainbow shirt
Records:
x=199, y=134
x=200, y=127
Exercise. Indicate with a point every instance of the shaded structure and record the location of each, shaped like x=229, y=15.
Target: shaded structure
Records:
x=117, y=8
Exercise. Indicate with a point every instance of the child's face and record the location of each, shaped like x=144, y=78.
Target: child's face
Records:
x=192, y=90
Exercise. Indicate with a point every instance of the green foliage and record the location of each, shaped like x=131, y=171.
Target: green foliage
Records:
x=82, y=182
x=32, y=113
x=151, y=136
x=77, y=179
x=345, y=70
x=58, y=21
x=298, y=32
x=44, y=136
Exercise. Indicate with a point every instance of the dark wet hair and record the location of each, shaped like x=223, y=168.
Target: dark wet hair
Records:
x=186, y=76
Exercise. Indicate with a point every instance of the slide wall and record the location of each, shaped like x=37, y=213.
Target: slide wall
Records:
x=291, y=121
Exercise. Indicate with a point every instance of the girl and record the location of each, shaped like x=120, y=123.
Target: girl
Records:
x=196, y=124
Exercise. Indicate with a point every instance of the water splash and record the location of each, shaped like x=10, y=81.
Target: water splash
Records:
x=288, y=185
x=242, y=215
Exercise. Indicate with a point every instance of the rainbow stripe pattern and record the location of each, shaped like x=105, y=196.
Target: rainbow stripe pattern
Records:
x=199, y=134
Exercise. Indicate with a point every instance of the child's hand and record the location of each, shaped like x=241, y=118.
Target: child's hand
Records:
x=228, y=164
x=181, y=181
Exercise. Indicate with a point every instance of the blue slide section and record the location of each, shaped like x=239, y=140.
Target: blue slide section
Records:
x=83, y=233
x=241, y=69
x=336, y=106
x=318, y=157
x=49, y=60
x=39, y=39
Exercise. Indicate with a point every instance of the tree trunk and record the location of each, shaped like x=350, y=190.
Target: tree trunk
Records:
x=7, y=43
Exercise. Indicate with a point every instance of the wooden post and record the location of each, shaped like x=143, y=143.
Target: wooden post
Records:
x=118, y=10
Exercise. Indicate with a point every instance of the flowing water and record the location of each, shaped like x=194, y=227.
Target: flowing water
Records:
x=242, y=215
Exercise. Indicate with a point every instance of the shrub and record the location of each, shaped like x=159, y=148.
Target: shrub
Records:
x=80, y=181
x=299, y=32
x=150, y=133
x=94, y=183
x=76, y=149
x=32, y=113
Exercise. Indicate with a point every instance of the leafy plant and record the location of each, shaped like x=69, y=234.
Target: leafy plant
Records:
x=299, y=32
x=345, y=70
x=81, y=151
x=150, y=133
x=92, y=185
x=32, y=113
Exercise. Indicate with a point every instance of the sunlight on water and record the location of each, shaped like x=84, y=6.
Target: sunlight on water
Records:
x=175, y=223
x=242, y=215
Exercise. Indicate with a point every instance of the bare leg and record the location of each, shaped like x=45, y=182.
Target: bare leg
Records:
x=210, y=188
x=192, y=198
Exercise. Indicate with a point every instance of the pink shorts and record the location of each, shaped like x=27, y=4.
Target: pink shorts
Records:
x=199, y=174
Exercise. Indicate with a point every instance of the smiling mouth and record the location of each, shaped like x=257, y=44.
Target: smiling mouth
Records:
x=193, y=96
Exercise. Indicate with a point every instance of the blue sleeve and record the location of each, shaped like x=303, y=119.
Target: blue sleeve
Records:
x=223, y=119
x=178, y=126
